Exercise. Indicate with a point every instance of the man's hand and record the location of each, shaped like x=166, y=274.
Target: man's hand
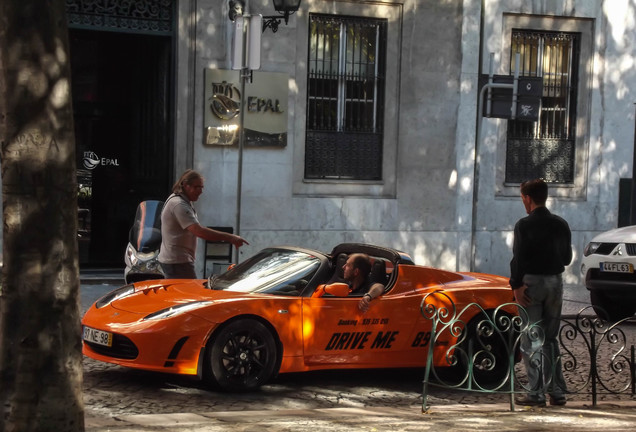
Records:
x=521, y=296
x=375, y=291
x=364, y=303
x=238, y=241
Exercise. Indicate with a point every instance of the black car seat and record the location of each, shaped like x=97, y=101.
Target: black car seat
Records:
x=378, y=272
x=338, y=274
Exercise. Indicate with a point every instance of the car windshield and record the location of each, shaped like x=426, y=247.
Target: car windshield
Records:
x=273, y=271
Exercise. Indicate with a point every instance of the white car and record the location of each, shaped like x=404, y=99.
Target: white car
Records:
x=608, y=267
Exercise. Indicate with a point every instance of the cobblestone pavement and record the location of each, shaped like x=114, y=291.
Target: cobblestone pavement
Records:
x=113, y=390
x=120, y=399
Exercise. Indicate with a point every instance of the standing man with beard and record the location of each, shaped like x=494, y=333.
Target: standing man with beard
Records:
x=180, y=228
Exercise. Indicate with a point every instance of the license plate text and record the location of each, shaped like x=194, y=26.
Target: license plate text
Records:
x=615, y=267
x=98, y=336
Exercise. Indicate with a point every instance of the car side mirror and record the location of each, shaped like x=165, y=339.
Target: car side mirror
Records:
x=337, y=289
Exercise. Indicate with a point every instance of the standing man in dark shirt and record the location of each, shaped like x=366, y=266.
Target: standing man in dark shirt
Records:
x=542, y=248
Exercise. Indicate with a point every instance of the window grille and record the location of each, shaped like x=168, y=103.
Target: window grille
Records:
x=545, y=149
x=147, y=17
x=345, y=98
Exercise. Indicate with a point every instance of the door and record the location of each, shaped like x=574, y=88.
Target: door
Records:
x=122, y=102
x=336, y=332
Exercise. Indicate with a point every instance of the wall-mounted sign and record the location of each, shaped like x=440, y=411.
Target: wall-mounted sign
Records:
x=265, y=116
x=91, y=160
x=529, y=93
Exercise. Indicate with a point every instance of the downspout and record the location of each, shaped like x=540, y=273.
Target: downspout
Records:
x=632, y=212
x=473, y=221
x=192, y=66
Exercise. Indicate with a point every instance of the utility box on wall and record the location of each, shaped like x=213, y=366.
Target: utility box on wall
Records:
x=218, y=255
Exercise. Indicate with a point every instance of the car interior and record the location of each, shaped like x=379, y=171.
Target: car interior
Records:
x=378, y=273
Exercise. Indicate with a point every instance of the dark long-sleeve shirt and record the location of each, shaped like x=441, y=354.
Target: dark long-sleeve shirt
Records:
x=542, y=245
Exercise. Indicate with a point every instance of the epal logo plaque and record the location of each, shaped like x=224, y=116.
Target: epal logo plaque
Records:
x=265, y=116
x=91, y=160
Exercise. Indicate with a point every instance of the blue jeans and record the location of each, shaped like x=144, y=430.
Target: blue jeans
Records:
x=543, y=361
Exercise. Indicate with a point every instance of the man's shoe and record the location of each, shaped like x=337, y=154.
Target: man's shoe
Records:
x=530, y=401
x=558, y=401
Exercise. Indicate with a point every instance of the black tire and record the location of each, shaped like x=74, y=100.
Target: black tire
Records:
x=609, y=310
x=241, y=356
x=492, y=361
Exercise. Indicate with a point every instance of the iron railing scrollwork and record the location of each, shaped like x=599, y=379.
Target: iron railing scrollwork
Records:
x=478, y=350
x=610, y=367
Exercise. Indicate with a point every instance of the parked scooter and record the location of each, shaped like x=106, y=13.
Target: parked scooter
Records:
x=144, y=241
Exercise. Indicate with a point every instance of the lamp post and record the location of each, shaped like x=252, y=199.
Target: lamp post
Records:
x=240, y=8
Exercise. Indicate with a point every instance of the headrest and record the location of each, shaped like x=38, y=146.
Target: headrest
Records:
x=340, y=262
x=378, y=272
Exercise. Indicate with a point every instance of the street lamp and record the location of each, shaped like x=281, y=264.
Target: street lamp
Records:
x=283, y=7
x=243, y=50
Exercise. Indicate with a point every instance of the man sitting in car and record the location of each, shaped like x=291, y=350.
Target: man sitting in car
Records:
x=356, y=273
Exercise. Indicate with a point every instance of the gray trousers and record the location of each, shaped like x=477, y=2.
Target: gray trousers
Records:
x=543, y=361
x=179, y=271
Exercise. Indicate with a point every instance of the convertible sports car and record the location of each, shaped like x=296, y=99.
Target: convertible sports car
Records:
x=283, y=310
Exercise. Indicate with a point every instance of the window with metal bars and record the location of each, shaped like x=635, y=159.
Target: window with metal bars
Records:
x=345, y=97
x=545, y=148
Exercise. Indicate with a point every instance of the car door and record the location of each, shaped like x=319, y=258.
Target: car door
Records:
x=336, y=332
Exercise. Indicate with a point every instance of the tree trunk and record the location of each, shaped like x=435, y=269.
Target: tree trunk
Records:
x=40, y=341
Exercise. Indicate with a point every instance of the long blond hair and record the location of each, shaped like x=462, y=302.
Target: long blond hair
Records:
x=186, y=178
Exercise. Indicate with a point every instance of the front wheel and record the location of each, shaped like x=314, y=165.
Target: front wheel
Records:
x=241, y=356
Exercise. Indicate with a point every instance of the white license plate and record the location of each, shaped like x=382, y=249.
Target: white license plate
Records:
x=615, y=267
x=98, y=336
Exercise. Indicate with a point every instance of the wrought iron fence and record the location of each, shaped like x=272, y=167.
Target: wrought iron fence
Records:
x=478, y=350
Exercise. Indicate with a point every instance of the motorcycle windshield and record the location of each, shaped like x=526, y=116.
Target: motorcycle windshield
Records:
x=145, y=234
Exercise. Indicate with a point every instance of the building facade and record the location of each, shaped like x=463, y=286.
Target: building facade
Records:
x=433, y=188
x=386, y=138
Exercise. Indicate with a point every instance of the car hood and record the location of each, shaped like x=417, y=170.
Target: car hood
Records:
x=619, y=235
x=155, y=297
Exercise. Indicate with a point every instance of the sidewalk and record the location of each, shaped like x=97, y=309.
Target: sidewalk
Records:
x=575, y=298
x=483, y=417
x=91, y=276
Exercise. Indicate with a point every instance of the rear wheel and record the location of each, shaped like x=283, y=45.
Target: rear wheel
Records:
x=491, y=359
x=610, y=310
x=241, y=356
x=481, y=358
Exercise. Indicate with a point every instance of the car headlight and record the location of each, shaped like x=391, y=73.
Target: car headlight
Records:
x=176, y=310
x=116, y=294
x=591, y=248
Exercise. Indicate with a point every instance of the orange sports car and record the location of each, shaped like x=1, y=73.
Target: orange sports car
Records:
x=285, y=309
